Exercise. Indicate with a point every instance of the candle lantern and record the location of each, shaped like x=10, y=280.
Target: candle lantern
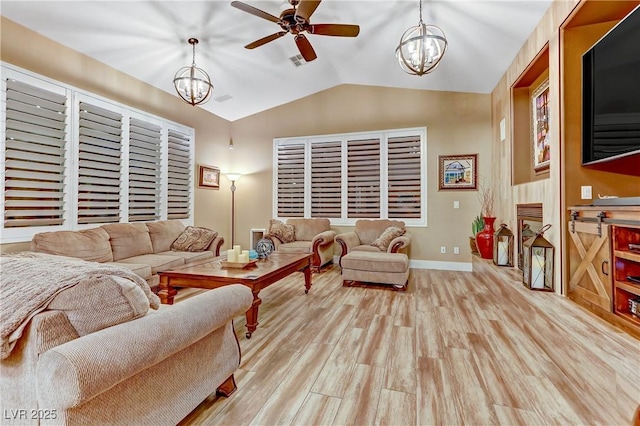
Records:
x=538, y=254
x=503, y=246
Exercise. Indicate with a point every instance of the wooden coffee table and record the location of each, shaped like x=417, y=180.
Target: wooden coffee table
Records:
x=210, y=274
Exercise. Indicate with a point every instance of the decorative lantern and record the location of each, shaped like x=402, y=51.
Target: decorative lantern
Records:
x=538, y=255
x=503, y=246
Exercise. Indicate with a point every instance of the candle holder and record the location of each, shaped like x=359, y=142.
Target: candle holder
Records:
x=503, y=246
x=538, y=254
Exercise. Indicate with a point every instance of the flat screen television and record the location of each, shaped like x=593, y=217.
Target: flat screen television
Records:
x=611, y=94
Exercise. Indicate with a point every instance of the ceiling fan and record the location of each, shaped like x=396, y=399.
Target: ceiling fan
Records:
x=296, y=21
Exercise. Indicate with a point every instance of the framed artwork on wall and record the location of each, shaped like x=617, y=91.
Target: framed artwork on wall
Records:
x=458, y=171
x=541, y=138
x=208, y=177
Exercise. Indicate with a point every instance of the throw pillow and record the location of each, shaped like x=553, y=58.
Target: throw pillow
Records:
x=283, y=232
x=383, y=241
x=194, y=238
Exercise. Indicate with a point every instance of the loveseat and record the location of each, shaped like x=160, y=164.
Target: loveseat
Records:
x=88, y=343
x=144, y=248
x=309, y=235
x=376, y=236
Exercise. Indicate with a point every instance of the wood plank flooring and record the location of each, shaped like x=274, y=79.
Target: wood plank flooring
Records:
x=458, y=348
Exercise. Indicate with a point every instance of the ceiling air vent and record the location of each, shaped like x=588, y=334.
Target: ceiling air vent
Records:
x=297, y=60
x=222, y=98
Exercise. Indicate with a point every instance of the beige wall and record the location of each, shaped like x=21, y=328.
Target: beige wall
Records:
x=29, y=50
x=457, y=123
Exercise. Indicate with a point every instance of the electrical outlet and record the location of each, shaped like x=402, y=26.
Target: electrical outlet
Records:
x=456, y=250
x=456, y=204
x=443, y=250
x=585, y=192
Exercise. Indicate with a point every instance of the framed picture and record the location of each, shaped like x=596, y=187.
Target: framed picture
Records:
x=458, y=171
x=540, y=129
x=208, y=177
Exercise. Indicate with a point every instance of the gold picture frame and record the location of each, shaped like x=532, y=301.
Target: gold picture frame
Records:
x=208, y=177
x=458, y=171
x=540, y=137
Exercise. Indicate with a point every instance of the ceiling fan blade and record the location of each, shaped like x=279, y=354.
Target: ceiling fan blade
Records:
x=305, y=48
x=338, y=30
x=254, y=11
x=305, y=9
x=265, y=40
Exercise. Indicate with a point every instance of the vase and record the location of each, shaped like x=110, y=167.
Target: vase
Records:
x=484, y=239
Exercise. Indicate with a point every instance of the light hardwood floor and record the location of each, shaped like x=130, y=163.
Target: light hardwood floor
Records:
x=458, y=348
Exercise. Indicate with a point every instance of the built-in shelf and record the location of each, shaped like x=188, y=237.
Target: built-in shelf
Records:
x=522, y=92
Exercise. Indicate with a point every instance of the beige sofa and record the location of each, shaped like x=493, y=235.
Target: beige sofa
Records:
x=368, y=236
x=311, y=235
x=144, y=248
x=96, y=354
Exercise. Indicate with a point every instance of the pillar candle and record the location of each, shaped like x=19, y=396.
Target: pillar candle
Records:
x=232, y=255
x=537, y=271
x=237, y=248
x=243, y=257
x=503, y=253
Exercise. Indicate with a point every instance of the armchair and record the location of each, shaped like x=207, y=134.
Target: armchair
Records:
x=309, y=235
x=368, y=236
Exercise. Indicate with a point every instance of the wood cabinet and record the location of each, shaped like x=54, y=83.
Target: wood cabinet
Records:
x=600, y=261
x=626, y=262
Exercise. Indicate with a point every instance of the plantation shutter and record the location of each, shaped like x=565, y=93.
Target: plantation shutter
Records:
x=99, y=165
x=290, y=181
x=179, y=195
x=404, y=177
x=326, y=179
x=34, y=156
x=363, y=177
x=144, y=171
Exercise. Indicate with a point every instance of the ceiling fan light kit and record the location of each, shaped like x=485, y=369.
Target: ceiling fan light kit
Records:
x=421, y=48
x=295, y=21
x=192, y=83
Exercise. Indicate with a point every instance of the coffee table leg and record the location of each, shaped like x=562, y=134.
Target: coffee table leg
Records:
x=307, y=279
x=252, y=316
x=166, y=292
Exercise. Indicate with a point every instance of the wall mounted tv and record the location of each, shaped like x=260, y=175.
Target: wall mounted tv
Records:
x=611, y=94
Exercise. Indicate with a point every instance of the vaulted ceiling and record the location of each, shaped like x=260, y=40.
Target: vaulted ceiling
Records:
x=148, y=40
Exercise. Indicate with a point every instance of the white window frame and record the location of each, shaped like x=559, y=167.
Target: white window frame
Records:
x=384, y=136
x=74, y=95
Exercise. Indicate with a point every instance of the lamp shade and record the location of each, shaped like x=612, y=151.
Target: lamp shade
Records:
x=233, y=176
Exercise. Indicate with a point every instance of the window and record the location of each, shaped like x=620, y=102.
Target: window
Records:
x=73, y=160
x=352, y=176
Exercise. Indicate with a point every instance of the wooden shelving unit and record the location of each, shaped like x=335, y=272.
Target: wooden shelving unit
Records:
x=626, y=263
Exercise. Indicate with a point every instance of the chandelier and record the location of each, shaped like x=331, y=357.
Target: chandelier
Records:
x=192, y=83
x=421, y=48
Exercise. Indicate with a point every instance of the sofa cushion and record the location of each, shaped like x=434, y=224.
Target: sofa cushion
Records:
x=296, y=247
x=189, y=256
x=307, y=229
x=379, y=262
x=163, y=233
x=383, y=241
x=283, y=232
x=194, y=238
x=128, y=239
x=100, y=302
x=157, y=262
x=139, y=269
x=89, y=244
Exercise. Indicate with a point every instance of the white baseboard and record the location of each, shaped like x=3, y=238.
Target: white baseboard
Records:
x=431, y=264
x=445, y=266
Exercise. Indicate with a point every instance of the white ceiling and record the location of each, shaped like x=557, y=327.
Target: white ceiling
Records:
x=148, y=40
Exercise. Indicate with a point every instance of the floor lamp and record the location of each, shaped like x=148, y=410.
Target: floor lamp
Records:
x=233, y=177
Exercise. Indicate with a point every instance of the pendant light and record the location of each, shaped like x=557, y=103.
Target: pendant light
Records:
x=192, y=83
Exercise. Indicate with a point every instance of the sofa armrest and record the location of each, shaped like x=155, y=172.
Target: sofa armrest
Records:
x=399, y=243
x=76, y=371
x=347, y=241
x=324, y=238
x=216, y=245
